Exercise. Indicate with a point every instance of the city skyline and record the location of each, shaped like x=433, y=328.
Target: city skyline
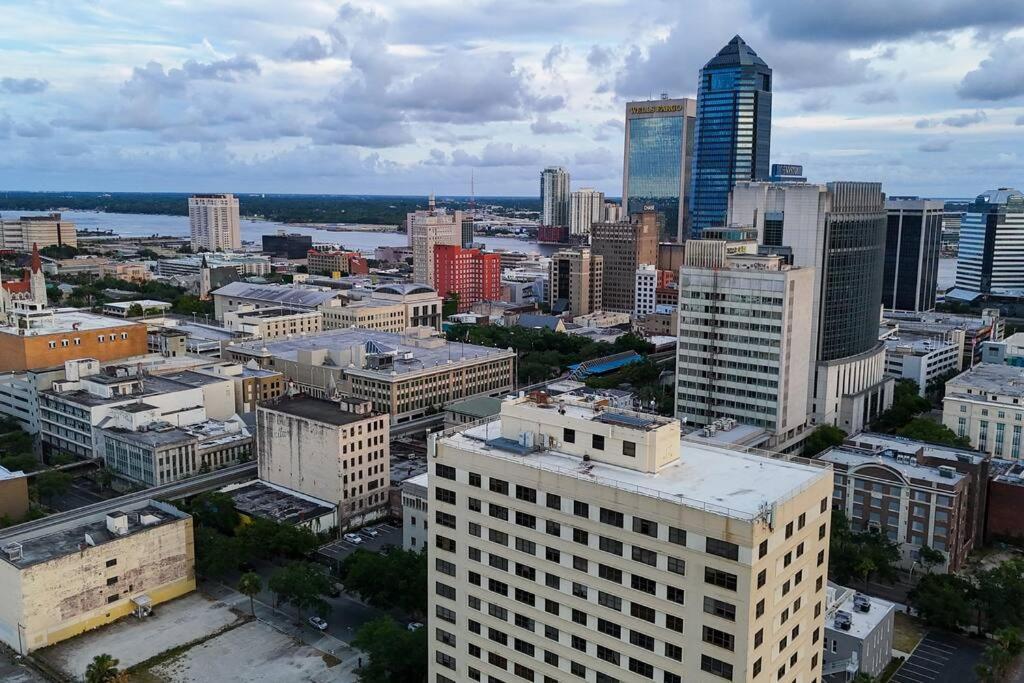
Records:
x=348, y=100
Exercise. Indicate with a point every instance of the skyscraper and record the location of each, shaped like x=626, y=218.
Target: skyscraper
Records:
x=625, y=246
x=991, y=245
x=576, y=278
x=586, y=207
x=657, y=160
x=554, y=196
x=732, y=138
x=213, y=222
x=912, y=253
x=427, y=229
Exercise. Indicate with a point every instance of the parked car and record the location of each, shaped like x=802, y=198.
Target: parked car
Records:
x=414, y=626
x=353, y=538
x=372, y=533
x=318, y=623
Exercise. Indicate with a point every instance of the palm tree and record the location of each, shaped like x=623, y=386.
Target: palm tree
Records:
x=250, y=584
x=102, y=669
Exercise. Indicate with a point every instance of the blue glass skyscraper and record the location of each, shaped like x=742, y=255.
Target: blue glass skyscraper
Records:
x=732, y=138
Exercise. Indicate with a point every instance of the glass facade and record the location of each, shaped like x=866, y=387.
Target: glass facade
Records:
x=991, y=256
x=913, y=233
x=732, y=138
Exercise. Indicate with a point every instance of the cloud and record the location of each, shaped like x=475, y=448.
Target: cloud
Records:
x=151, y=79
x=1000, y=76
x=499, y=154
x=556, y=54
x=306, y=49
x=33, y=129
x=879, y=96
x=936, y=145
x=545, y=126
x=23, y=86
x=609, y=129
x=599, y=58
x=1019, y=121
x=964, y=120
x=816, y=103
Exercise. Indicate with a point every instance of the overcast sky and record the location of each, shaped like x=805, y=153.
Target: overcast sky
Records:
x=406, y=96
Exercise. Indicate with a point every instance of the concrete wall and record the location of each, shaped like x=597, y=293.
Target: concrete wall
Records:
x=14, y=498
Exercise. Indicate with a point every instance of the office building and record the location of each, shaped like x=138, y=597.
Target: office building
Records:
x=744, y=343
x=787, y=173
x=586, y=207
x=468, y=231
x=427, y=229
x=624, y=247
x=337, y=452
x=576, y=281
x=942, y=327
x=991, y=256
x=913, y=236
x=388, y=308
x=50, y=230
x=732, y=138
x=657, y=163
x=13, y=495
x=574, y=541
x=287, y=245
x=985, y=404
x=923, y=359
x=415, y=513
x=471, y=274
x=272, y=323
x=408, y=375
x=612, y=212
x=79, y=570
x=235, y=295
x=671, y=256
x=554, y=196
x=253, y=384
x=644, y=288
x=214, y=223
x=910, y=491
x=136, y=308
x=243, y=264
x=839, y=230
x=335, y=261
x=858, y=634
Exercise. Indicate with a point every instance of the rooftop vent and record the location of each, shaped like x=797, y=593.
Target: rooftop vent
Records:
x=13, y=551
x=946, y=471
x=117, y=523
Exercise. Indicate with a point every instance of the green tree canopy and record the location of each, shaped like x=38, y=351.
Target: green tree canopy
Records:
x=821, y=439
x=395, y=653
x=863, y=555
x=102, y=669
x=215, y=510
x=941, y=600
x=396, y=580
x=250, y=584
x=53, y=483
x=301, y=584
x=906, y=405
x=923, y=429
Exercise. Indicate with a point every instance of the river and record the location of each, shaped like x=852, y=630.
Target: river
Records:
x=145, y=225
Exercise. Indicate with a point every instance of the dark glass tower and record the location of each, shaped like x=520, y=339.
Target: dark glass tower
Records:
x=732, y=137
x=913, y=233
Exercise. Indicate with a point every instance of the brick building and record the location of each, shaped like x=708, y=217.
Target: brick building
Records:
x=470, y=273
x=41, y=338
x=344, y=262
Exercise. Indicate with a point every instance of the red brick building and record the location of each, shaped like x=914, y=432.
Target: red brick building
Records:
x=470, y=273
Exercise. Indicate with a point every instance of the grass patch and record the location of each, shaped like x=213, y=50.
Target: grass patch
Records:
x=907, y=633
x=890, y=669
x=330, y=660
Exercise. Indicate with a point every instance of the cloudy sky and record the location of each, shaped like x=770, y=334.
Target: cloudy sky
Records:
x=407, y=96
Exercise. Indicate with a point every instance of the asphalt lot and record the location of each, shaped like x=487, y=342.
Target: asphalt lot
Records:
x=940, y=658
x=389, y=534
x=12, y=671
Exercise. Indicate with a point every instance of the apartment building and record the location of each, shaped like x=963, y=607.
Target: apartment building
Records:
x=214, y=222
x=646, y=285
x=569, y=541
x=576, y=281
x=405, y=375
x=76, y=571
x=427, y=229
x=48, y=230
x=273, y=323
x=745, y=328
x=624, y=246
x=334, y=451
x=471, y=274
x=388, y=308
x=923, y=359
x=985, y=404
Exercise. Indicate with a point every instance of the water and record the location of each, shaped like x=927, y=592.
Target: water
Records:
x=146, y=225
x=947, y=273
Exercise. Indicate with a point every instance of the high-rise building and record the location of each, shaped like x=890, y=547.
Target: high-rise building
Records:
x=575, y=281
x=612, y=212
x=657, y=161
x=744, y=341
x=48, y=230
x=839, y=230
x=991, y=258
x=644, y=290
x=573, y=542
x=470, y=273
x=468, y=231
x=586, y=207
x=214, y=223
x=625, y=246
x=912, y=244
x=554, y=196
x=427, y=229
x=732, y=138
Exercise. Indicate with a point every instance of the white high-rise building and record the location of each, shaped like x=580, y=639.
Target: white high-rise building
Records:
x=646, y=288
x=586, y=207
x=214, y=223
x=744, y=342
x=427, y=229
x=991, y=257
x=554, y=196
x=569, y=542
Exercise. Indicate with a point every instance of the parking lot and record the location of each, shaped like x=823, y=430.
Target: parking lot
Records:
x=388, y=534
x=940, y=658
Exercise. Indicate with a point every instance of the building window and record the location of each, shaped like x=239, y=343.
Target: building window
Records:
x=598, y=442
x=729, y=551
x=629, y=449
x=569, y=435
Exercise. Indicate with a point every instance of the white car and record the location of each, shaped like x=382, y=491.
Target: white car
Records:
x=414, y=626
x=318, y=623
x=372, y=533
x=353, y=538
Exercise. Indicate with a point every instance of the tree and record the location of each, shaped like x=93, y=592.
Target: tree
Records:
x=930, y=557
x=22, y=461
x=396, y=580
x=301, y=584
x=135, y=311
x=395, y=653
x=906, y=404
x=52, y=483
x=102, y=669
x=863, y=555
x=215, y=510
x=250, y=584
x=216, y=554
x=999, y=655
x=450, y=305
x=923, y=429
x=823, y=438
x=942, y=600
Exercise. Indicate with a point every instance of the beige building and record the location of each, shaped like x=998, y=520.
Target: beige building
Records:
x=586, y=207
x=389, y=308
x=573, y=542
x=21, y=233
x=273, y=323
x=253, y=384
x=214, y=223
x=576, y=281
x=407, y=375
x=624, y=246
x=336, y=452
x=133, y=272
x=428, y=229
x=73, y=572
x=13, y=495
x=415, y=515
x=744, y=342
x=984, y=405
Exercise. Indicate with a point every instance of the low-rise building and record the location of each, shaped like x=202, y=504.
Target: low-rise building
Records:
x=174, y=337
x=43, y=338
x=977, y=330
x=235, y=295
x=13, y=495
x=253, y=384
x=985, y=405
x=415, y=513
x=388, y=308
x=858, y=634
x=923, y=359
x=272, y=323
x=125, y=309
x=244, y=264
x=471, y=410
x=662, y=321
x=1010, y=351
x=330, y=262
x=76, y=571
x=266, y=500
x=337, y=452
x=132, y=272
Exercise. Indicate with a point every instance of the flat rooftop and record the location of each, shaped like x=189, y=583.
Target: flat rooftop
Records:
x=275, y=312
x=484, y=406
x=722, y=481
x=934, y=322
x=989, y=378
x=69, y=321
x=151, y=386
x=145, y=303
x=850, y=456
x=317, y=410
x=306, y=297
x=904, y=445
x=862, y=624
x=266, y=501
x=42, y=543
x=915, y=344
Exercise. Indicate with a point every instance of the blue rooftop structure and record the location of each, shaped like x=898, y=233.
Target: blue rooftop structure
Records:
x=601, y=366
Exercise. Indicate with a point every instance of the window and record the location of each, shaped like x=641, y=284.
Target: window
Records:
x=580, y=536
x=610, y=601
x=554, y=501
x=580, y=509
x=474, y=479
x=729, y=551
x=674, y=652
x=580, y=563
x=611, y=517
x=762, y=577
x=720, y=609
x=759, y=609
x=498, y=486
x=552, y=528
x=717, y=577
x=474, y=505
x=112, y=563
x=646, y=556
x=674, y=623
x=801, y=520
x=629, y=449
x=598, y=442
x=610, y=545
x=719, y=638
x=525, y=546
x=677, y=536
x=569, y=435
x=674, y=594
x=762, y=549
x=676, y=565
x=641, y=612
x=523, y=519
x=498, y=511
x=642, y=583
x=445, y=471
x=526, y=493
x=645, y=527
x=789, y=529
x=609, y=628
x=609, y=573
x=716, y=667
